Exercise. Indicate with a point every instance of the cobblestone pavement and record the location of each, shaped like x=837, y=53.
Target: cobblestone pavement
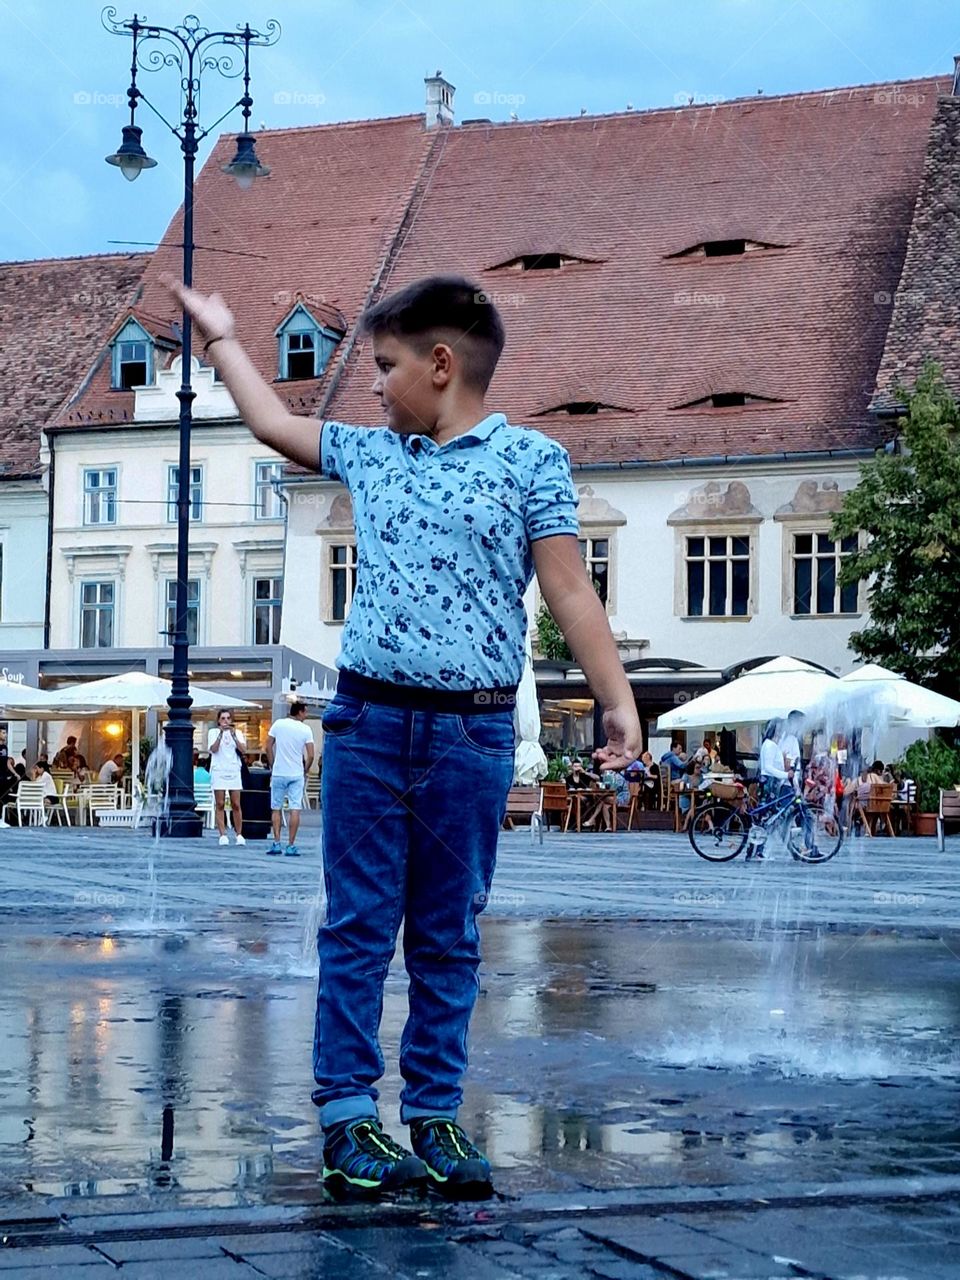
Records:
x=679, y=1069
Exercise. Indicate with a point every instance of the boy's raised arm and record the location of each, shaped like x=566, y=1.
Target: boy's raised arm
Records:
x=260, y=407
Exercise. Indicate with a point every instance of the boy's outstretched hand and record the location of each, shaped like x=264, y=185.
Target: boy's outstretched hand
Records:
x=621, y=724
x=210, y=313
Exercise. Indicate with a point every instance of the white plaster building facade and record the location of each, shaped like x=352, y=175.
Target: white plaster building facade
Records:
x=23, y=557
x=113, y=571
x=712, y=565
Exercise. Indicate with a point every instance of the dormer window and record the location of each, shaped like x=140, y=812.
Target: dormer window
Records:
x=575, y=408
x=724, y=248
x=542, y=262
x=133, y=358
x=728, y=400
x=304, y=345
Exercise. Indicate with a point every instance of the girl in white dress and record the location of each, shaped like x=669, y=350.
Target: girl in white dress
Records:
x=225, y=744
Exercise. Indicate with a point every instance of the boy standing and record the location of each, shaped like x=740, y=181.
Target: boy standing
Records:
x=453, y=510
x=288, y=742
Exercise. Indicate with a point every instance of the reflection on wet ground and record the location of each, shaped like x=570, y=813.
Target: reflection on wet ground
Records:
x=604, y=1054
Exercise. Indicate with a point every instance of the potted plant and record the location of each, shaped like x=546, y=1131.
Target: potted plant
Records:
x=934, y=766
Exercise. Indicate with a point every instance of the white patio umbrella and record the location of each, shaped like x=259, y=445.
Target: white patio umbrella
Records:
x=22, y=701
x=871, y=693
x=530, y=763
x=775, y=688
x=133, y=691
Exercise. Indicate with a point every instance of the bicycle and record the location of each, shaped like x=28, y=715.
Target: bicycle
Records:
x=719, y=831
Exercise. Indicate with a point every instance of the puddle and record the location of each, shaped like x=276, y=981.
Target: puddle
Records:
x=607, y=1054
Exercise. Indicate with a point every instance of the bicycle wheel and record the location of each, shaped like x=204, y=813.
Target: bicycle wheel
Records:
x=813, y=834
x=718, y=833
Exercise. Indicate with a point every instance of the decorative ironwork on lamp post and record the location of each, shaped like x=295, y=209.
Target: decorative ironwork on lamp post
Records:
x=190, y=48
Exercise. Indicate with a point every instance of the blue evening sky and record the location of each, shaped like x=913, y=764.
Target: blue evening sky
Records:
x=64, y=79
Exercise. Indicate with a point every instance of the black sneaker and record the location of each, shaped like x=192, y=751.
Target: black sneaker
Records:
x=454, y=1164
x=359, y=1159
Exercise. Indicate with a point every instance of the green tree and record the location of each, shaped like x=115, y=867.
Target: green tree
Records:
x=908, y=505
x=550, y=639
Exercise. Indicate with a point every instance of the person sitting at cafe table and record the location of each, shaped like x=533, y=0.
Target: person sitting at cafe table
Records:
x=581, y=779
x=111, y=771
x=675, y=759
x=41, y=773
x=62, y=759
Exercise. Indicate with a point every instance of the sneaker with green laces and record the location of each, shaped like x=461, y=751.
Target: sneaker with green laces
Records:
x=454, y=1164
x=360, y=1160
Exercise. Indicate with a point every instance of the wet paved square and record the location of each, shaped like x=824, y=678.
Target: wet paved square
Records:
x=677, y=1068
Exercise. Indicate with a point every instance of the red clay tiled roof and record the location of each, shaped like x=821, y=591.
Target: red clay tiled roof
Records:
x=833, y=176
x=53, y=314
x=926, y=305
x=316, y=230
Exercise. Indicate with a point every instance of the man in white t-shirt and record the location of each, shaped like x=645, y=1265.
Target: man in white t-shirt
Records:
x=111, y=771
x=289, y=748
x=789, y=744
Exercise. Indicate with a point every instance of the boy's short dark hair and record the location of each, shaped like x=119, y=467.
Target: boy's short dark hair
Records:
x=297, y=707
x=423, y=312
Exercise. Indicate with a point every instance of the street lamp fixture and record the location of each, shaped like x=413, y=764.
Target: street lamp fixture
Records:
x=192, y=50
x=131, y=158
x=245, y=166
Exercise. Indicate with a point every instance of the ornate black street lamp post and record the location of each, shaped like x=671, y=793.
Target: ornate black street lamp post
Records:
x=190, y=48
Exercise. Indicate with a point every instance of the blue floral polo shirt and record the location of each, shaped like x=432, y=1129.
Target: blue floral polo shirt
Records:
x=444, y=536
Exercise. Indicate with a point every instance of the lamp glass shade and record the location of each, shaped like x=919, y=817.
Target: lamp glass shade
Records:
x=130, y=158
x=245, y=166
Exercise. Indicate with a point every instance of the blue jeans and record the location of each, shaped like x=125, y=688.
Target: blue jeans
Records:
x=413, y=802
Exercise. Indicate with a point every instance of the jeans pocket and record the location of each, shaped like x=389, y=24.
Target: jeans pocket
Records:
x=490, y=735
x=343, y=716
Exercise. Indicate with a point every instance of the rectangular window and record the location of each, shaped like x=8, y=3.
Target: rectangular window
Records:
x=718, y=576
x=301, y=355
x=193, y=610
x=100, y=495
x=132, y=364
x=596, y=558
x=267, y=606
x=97, y=601
x=817, y=559
x=196, y=493
x=343, y=578
x=266, y=500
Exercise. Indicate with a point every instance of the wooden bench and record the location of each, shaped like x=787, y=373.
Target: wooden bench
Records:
x=949, y=812
x=525, y=802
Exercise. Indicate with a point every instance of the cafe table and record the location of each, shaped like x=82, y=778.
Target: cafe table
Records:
x=607, y=797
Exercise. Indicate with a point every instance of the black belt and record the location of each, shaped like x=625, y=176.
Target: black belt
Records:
x=456, y=702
